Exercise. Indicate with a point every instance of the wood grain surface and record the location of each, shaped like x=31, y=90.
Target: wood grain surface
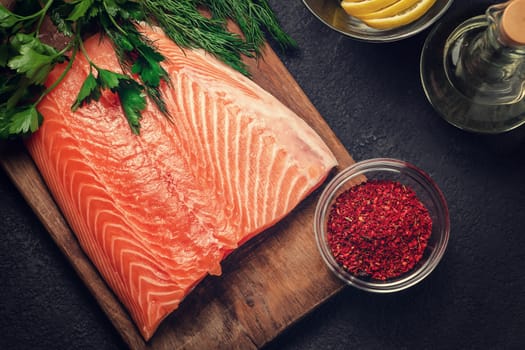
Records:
x=267, y=284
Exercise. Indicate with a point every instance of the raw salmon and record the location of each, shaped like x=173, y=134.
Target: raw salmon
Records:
x=156, y=213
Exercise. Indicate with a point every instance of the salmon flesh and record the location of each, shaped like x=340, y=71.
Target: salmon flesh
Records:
x=156, y=213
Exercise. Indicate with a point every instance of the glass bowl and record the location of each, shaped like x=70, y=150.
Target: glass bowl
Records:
x=427, y=192
x=332, y=14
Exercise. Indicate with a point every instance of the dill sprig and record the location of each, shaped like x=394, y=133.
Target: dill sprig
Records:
x=185, y=24
x=25, y=60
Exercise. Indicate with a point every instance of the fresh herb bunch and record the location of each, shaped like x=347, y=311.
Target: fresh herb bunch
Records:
x=25, y=61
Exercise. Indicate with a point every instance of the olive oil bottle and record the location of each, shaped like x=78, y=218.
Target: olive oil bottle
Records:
x=474, y=76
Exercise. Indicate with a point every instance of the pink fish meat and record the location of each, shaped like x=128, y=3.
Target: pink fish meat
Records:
x=156, y=213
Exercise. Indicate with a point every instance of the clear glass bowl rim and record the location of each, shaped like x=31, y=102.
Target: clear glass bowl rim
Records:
x=392, y=165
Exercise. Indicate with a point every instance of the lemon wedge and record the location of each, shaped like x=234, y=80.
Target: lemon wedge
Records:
x=392, y=10
x=356, y=8
x=402, y=18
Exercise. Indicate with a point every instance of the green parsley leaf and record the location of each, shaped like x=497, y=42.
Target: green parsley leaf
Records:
x=79, y=10
x=148, y=67
x=108, y=79
x=133, y=102
x=90, y=91
x=7, y=18
x=21, y=122
x=35, y=59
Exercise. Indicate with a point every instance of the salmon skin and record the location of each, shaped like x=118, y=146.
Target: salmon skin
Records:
x=156, y=213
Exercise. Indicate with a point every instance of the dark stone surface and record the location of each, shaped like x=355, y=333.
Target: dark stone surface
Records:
x=370, y=94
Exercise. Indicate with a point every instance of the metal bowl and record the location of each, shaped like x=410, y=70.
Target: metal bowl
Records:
x=332, y=14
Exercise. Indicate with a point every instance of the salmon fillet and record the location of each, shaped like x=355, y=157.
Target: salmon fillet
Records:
x=156, y=213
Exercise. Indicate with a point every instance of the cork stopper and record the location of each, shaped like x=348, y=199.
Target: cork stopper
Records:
x=513, y=23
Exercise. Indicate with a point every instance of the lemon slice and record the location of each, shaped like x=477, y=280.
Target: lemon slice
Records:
x=391, y=10
x=356, y=8
x=403, y=18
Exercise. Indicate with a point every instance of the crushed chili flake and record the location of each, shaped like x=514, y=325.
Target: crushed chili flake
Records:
x=378, y=229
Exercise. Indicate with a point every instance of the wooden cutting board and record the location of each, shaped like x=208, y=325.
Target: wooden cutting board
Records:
x=266, y=285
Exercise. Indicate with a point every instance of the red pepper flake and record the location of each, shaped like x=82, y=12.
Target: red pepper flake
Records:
x=378, y=229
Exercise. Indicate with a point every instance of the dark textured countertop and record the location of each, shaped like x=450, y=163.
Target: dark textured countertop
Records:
x=371, y=95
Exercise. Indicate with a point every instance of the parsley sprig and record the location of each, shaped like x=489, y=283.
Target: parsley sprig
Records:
x=25, y=61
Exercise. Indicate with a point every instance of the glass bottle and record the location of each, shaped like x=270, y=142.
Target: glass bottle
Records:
x=475, y=76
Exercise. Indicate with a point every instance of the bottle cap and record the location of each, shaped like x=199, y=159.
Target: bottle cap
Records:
x=513, y=23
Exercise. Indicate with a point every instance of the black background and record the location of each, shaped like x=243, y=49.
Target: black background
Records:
x=371, y=96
